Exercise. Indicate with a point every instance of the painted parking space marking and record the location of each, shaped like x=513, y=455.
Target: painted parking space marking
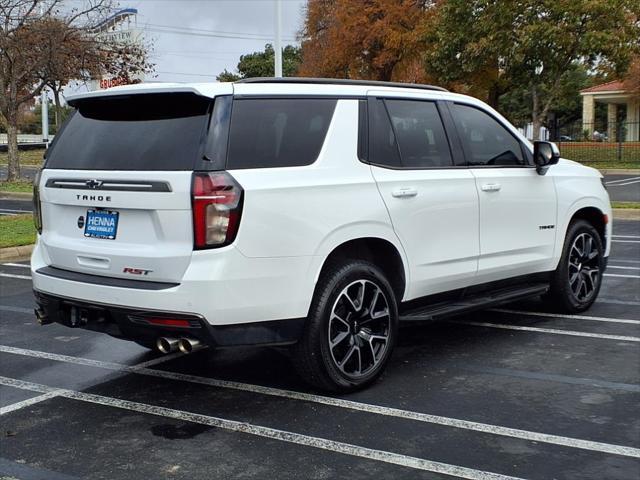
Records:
x=29, y=401
x=19, y=265
x=9, y=308
x=633, y=182
x=622, y=180
x=621, y=275
x=572, y=317
x=620, y=267
x=553, y=331
x=340, y=403
x=625, y=241
x=52, y=394
x=616, y=301
x=266, y=432
x=19, y=277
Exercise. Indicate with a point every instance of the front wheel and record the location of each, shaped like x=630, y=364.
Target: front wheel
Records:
x=576, y=282
x=351, y=328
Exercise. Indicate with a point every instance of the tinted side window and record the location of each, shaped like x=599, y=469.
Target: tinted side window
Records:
x=420, y=134
x=283, y=132
x=384, y=149
x=485, y=140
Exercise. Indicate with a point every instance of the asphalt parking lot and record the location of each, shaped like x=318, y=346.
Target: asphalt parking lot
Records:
x=514, y=392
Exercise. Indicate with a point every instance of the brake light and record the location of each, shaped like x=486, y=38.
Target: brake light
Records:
x=217, y=204
x=37, y=211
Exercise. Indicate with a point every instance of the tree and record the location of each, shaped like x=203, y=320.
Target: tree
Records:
x=41, y=45
x=632, y=80
x=566, y=107
x=494, y=47
x=227, y=76
x=373, y=39
x=262, y=64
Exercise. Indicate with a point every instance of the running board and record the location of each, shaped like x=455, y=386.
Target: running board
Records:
x=474, y=302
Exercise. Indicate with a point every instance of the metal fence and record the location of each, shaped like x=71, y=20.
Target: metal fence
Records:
x=614, y=145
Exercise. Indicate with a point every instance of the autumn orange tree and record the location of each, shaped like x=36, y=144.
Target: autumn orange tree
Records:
x=632, y=80
x=372, y=39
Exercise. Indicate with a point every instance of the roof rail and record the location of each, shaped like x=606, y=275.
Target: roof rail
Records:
x=339, y=81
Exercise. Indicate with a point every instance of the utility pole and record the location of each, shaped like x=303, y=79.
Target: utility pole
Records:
x=277, y=43
x=44, y=107
x=44, y=100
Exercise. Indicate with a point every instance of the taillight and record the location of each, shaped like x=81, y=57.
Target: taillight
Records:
x=217, y=204
x=37, y=212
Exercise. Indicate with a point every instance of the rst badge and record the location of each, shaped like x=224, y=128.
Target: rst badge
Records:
x=136, y=271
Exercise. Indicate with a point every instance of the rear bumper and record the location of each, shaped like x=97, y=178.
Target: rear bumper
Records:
x=221, y=286
x=135, y=324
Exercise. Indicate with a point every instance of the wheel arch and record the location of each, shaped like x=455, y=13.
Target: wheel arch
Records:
x=379, y=251
x=595, y=217
x=591, y=209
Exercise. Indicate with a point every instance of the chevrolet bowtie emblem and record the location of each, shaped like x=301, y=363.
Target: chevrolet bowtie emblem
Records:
x=94, y=183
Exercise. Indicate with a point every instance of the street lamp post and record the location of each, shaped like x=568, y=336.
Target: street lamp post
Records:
x=277, y=43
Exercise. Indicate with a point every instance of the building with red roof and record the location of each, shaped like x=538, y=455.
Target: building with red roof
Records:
x=614, y=95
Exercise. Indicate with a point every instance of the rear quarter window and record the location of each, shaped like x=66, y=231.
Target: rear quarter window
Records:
x=133, y=132
x=282, y=132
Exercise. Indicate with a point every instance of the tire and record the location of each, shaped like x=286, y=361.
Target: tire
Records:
x=344, y=347
x=576, y=282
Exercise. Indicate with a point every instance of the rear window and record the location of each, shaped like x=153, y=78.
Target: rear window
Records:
x=133, y=132
x=277, y=132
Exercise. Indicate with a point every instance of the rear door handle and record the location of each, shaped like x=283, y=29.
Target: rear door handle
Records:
x=491, y=187
x=405, y=192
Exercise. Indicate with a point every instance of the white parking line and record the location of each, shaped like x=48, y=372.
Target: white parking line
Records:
x=622, y=180
x=572, y=317
x=52, y=394
x=267, y=432
x=21, y=265
x=623, y=268
x=29, y=401
x=621, y=275
x=340, y=403
x=625, y=184
x=554, y=331
x=625, y=236
x=10, y=275
x=14, y=211
x=625, y=241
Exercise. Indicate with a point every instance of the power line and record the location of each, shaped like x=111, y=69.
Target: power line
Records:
x=203, y=30
x=210, y=33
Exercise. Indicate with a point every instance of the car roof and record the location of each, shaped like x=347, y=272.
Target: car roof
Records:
x=278, y=86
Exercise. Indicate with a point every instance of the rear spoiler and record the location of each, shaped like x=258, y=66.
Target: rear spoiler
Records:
x=203, y=89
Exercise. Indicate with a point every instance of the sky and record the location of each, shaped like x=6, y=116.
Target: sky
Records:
x=194, y=55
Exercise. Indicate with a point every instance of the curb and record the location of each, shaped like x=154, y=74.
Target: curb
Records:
x=16, y=253
x=16, y=195
x=626, y=213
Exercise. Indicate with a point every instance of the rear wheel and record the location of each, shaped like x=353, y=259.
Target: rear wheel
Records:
x=351, y=329
x=576, y=282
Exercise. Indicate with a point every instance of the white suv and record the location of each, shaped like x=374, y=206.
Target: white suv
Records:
x=311, y=213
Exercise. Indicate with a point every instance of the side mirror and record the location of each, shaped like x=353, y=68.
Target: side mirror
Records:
x=544, y=155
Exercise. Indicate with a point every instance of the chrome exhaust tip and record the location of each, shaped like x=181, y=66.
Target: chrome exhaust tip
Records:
x=42, y=317
x=189, y=345
x=167, y=344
